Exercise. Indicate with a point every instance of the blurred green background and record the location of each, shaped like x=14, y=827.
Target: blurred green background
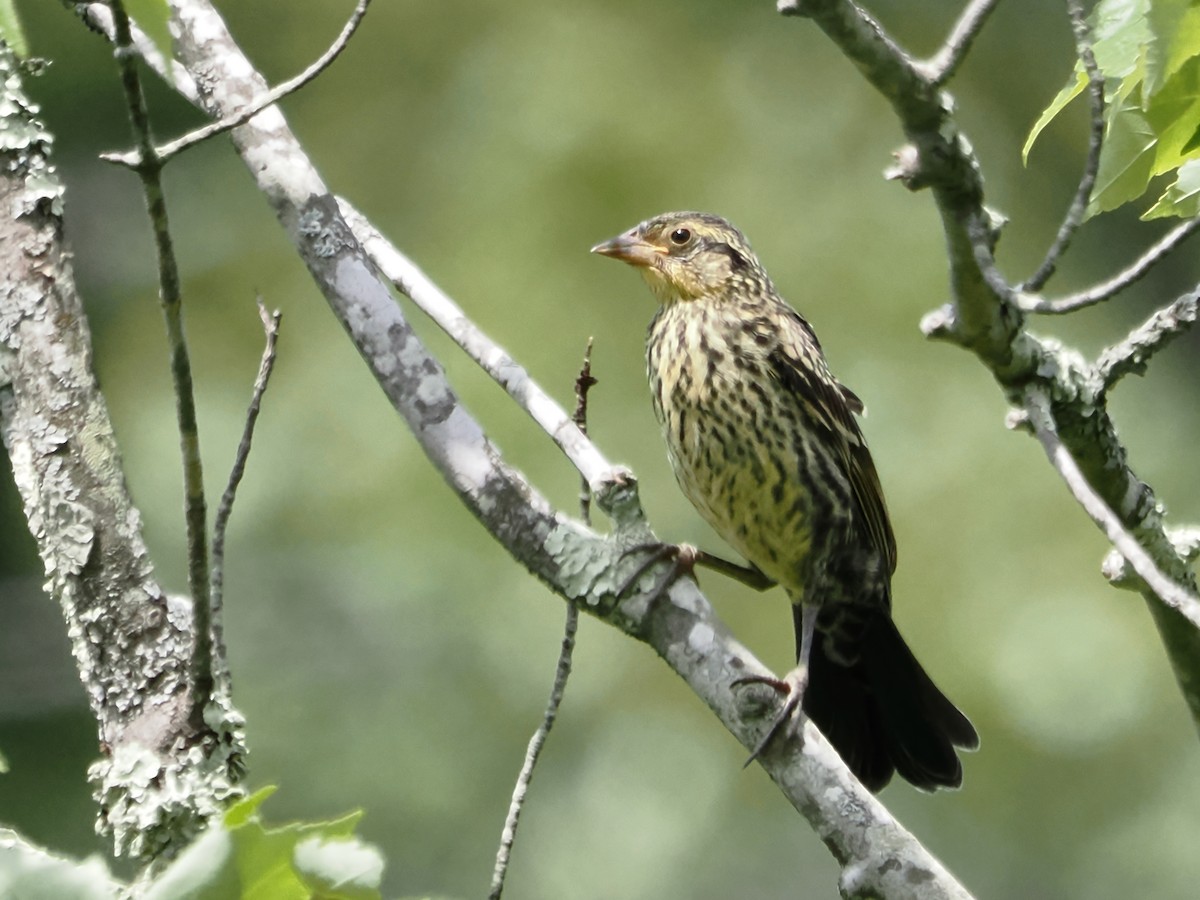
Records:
x=388, y=655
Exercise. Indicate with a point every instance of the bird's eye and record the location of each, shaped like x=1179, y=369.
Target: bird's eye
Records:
x=680, y=236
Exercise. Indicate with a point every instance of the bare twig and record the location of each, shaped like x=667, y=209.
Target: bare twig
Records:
x=1131, y=355
x=1120, y=281
x=165, y=152
x=1037, y=405
x=584, y=383
x=270, y=321
x=195, y=506
x=940, y=67
x=1083, y=194
x=562, y=670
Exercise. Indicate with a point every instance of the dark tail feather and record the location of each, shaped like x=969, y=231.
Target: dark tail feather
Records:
x=884, y=714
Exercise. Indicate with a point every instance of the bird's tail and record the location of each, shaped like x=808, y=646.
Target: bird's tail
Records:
x=883, y=713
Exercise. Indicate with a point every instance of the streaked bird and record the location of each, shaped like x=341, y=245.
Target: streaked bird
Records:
x=765, y=443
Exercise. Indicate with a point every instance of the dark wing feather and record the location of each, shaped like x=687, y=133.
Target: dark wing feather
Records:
x=801, y=366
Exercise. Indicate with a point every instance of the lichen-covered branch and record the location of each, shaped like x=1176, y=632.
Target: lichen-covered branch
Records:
x=983, y=315
x=1132, y=355
x=163, y=774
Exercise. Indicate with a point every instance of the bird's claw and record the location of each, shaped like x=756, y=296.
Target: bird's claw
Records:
x=683, y=558
x=790, y=718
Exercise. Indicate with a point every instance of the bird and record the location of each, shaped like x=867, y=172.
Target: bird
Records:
x=765, y=443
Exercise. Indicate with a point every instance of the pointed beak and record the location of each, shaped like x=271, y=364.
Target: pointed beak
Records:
x=630, y=248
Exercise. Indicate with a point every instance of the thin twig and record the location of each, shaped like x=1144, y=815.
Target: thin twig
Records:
x=166, y=151
x=195, y=506
x=583, y=384
x=1083, y=194
x=270, y=321
x=562, y=670
x=1131, y=355
x=1174, y=595
x=942, y=65
x=1120, y=281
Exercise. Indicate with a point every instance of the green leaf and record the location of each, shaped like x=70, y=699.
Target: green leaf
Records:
x=1175, y=29
x=206, y=870
x=339, y=869
x=241, y=858
x=153, y=17
x=31, y=873
x=1120, y=34
x=244, y=810
x=10, y=29
x=1069, y=92
x=1126, y=157
x=1174, y=113
x=1182, y=197
x=3, y=765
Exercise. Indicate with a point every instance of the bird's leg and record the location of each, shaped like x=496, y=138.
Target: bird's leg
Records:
x=750, y=575
x=685, y=558
x=790, y=716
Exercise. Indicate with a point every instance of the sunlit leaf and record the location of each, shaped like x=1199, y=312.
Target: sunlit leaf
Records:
x=1120, y=33
x=1175, y=30
x=29, y=871
x=242, y=858
x=340, y=869
x=1182, y=197
x=1174, y=114
x=1126, y=158
x=1069, y=92
x=10, y=29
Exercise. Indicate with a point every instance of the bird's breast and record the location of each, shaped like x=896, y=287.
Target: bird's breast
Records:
x=731, y=434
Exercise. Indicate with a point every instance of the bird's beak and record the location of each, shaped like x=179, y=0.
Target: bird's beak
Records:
x=630, y=248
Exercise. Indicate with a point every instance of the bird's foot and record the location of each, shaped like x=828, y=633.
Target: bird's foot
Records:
x=683, y=562
x=790, y=718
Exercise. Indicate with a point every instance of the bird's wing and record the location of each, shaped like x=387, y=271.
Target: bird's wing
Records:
x=834, y=406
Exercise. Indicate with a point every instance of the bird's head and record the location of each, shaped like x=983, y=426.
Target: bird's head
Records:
x=687, y=256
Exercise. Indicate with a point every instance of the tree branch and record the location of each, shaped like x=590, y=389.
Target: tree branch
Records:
x=161, y=778
x=1116, y=568
x=407, y=278
x=984, y=318
x=1132, y=355
x=940, y=67
x=134, y=159
x=1107, y=289
x=1041, y=419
